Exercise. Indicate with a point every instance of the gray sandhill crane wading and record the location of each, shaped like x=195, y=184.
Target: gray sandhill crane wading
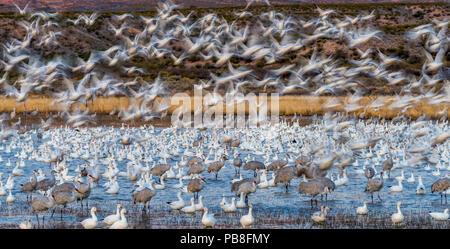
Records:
x=30, y=186
x=312, y=188
x=83, y=191
x=387, y=165
x=374, y=185
x=195, y=186
x=441, y=187
x=247, y=188
x=41, y=203
x=216, y=167
x=237, y=162
x=46, y=184
x=62, y=198
x=285, y=176
x=159, y=169
x=254, y=166
x=143, y=196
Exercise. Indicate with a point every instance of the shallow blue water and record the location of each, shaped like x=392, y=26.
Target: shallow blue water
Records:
x=273, y=199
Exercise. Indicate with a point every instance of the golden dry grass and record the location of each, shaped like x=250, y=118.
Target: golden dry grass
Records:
x=288, y=105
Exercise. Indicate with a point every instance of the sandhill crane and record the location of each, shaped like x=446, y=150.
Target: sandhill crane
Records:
x=441, y=187
x=195, y=185
x=235, y=185
x=254, y=165
x=67, y=186
x=62, y=198
x=329, y=184
x=235, y=142
x=216, y=167
x=46, y=184
x=309, y=170
x=277, y=164
x=312, y=188
x=302, y=160
x=237, y=162
x=194, y=160
x=374, y=185
x=387, y=165
x=247, y=188
x=159, y=169
x=83, y=191
x=30, y=186
x=196, y=169
x=284, y=176
x=41, y=203
x=143, y=196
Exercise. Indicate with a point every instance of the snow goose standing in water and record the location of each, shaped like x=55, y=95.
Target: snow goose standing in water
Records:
x=110, y=219
x=411, y=179
x=401, y=177
x=440, y=216
x=176, y=205
x=397, y=188
x=122, y=223
x=208, y=220
x=25, y=224
x=90, y=223
x=420, y=190
x=10, y=199
x=362, y=210
x=230, y=208
x=223, y=202
x=189, y=209
x=397, y=217
x=199, y=206
x=247, y=220
x=241, y=202
x=320, y=216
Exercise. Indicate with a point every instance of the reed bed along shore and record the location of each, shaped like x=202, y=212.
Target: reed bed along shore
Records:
x=287, y=105
x=160, y=216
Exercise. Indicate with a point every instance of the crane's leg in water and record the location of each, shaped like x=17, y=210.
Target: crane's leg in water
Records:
x=379, y=196
x=37, y=218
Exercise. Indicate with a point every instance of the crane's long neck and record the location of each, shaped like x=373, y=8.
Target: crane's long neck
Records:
x=398, y=209
x=250, y=211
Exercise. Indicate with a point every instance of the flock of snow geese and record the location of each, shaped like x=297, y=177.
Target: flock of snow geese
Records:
x=311, y=155
x=68, y=165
